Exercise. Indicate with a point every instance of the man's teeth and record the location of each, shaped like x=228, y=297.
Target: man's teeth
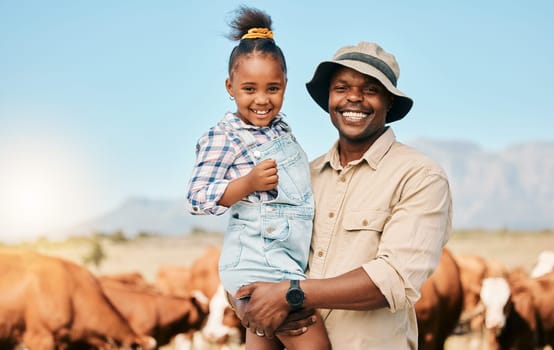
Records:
x=354, y=115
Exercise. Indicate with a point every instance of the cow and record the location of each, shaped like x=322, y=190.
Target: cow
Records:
x=222, y=325
x=496, y=268
x=132, y=279
x=519, y=311
x=473, y=270
x=440, y=305
x=204, y=273
x=153, y=313
x=173, y=280
x=50, y=303
x=544, y=264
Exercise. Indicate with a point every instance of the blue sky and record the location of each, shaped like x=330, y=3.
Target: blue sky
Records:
x=104, y=100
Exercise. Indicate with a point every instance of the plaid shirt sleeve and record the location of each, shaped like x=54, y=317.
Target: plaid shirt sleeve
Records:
x=215, y=154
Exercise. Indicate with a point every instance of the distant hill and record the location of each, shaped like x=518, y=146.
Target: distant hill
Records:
x=512, y=189
x=163, y=216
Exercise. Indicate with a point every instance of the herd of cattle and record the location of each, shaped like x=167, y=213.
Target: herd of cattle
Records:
x=496, y=307
x=49, y=303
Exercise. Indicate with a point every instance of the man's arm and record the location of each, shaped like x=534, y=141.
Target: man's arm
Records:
x=267, y=307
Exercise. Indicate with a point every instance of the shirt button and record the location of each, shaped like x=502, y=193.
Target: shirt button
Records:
x=331, y=214
x=365, y=222
x=343, y=178
x=320, y=254
x=194, y=208
x=257, y=154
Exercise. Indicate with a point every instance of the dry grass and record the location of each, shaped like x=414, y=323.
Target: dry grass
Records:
x=512, y=248
x=146, y=254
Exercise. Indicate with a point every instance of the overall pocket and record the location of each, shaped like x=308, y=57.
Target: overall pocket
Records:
x=287, y=242
x=232, y=247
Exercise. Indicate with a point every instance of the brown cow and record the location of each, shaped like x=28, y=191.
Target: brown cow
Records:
x=528, y=319
x=49, y=303
x=173, y=280
x=133, y=279
x=153, y=313
x=204, y=273
x=440, y=305
x=473, y=270
x=222, y=324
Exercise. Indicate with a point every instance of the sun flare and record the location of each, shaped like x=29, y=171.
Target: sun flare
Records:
x=41, y=189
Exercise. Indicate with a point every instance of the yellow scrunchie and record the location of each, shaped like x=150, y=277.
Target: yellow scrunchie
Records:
x=255, y=33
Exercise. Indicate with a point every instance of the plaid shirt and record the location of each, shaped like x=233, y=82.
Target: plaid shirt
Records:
x=222, y=157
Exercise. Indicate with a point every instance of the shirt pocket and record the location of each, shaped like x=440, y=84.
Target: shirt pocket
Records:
x=365, y=220
x=362, y=235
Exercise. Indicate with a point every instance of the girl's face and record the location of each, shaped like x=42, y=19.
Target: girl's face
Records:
x=257, y=83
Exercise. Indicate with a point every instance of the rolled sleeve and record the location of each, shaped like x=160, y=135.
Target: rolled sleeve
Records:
x=215, y=154
x=412, y=240
x=204, y=200
x=388, y=281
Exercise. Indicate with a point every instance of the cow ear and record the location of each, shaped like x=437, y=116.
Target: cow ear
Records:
x=523, y=305
x=201, y=301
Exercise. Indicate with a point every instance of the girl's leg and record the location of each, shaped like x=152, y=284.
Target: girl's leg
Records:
x=253, y=342
x=315, y=338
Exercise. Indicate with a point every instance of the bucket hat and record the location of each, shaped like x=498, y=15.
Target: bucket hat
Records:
x=366, y=58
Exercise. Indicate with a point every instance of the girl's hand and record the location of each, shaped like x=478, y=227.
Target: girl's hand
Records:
x=263, y=177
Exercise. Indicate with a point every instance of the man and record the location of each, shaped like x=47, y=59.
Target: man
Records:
x=383, y=214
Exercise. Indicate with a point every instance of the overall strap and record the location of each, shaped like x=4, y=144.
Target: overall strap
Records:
x=249, y=142
x=240, y=136
x=247, y=138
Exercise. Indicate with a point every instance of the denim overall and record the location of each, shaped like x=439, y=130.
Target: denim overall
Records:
x=270, y=241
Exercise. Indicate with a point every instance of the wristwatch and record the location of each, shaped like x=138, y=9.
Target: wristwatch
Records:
x=295, y=295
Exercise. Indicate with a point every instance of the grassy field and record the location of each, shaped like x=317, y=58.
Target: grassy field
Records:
x=146, y=254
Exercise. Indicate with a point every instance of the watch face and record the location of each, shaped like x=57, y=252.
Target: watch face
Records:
x=295, y=297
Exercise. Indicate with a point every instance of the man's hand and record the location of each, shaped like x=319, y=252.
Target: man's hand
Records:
x=263, y=177
x=297, y=322
x=267, y=308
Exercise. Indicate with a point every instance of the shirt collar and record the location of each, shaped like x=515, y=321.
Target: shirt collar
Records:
x=372, y=156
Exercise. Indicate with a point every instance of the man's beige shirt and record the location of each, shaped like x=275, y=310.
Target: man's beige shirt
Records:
x=389, y=212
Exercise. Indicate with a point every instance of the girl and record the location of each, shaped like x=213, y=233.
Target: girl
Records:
x=251, y=164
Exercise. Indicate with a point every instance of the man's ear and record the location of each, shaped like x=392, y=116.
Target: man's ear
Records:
x=391, y=102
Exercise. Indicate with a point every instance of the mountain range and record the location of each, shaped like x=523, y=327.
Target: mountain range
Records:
x=508, y=189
